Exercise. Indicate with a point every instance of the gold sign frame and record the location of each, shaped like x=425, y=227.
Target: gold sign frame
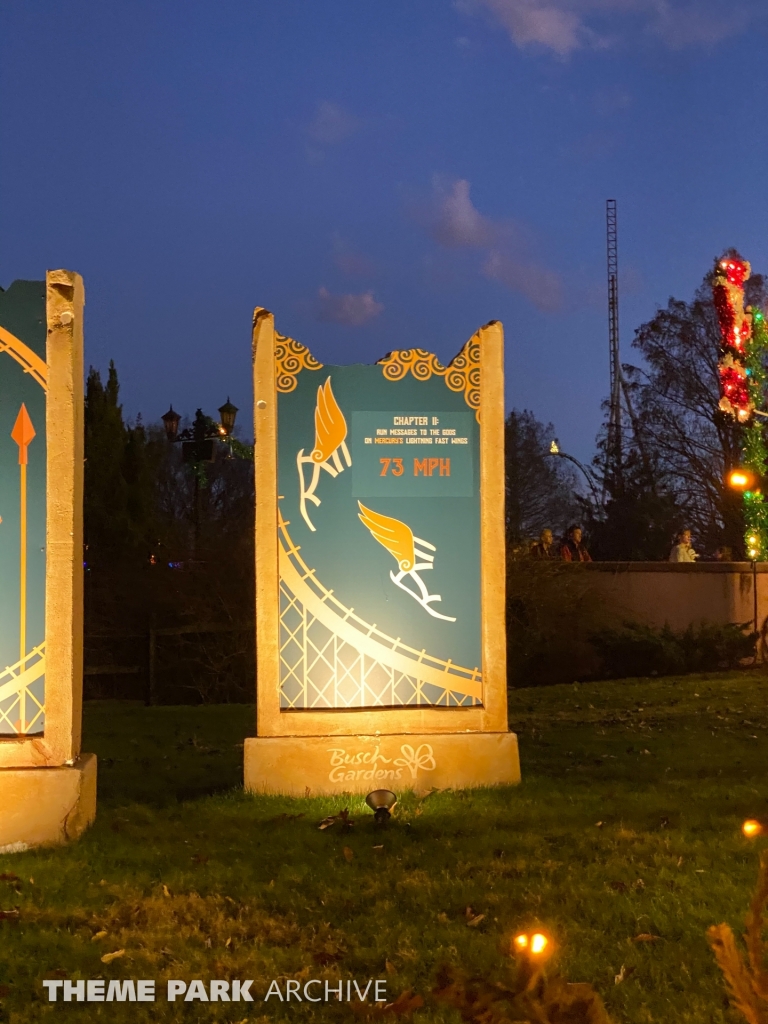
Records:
x=62, y=377
x=293, y=750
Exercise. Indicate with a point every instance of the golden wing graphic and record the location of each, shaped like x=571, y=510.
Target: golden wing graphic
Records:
x=330, y=425
x=395, y=536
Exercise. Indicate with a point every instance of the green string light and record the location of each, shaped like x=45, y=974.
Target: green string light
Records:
x=754, y=449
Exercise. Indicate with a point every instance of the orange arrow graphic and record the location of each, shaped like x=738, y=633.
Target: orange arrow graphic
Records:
x=23, y=433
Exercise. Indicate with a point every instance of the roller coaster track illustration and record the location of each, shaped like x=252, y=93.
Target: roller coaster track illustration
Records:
x=15, y=682
x=331, y=658
x=29, y=361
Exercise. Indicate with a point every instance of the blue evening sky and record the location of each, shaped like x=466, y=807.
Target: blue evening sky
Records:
x=380, y=175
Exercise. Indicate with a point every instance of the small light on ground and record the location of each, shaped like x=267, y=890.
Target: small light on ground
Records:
x=751, y=828
x=539, y=943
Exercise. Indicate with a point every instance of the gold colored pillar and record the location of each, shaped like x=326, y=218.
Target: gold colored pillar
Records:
x=47, y=786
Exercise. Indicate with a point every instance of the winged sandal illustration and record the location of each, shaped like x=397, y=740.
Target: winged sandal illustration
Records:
x=399, y=540
x=330, y=438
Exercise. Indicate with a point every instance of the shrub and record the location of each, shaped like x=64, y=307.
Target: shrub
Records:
x=635, y=649
x=552, y=609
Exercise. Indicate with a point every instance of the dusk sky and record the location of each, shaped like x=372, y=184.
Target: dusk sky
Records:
x=380, y=175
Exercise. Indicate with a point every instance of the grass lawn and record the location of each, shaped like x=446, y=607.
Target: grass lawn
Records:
x=627, y=823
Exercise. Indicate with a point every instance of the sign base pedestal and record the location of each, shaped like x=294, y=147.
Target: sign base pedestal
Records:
x=46, y=805
x=324, y=765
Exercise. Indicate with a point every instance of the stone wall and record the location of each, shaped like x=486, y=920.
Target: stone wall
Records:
x=681, y=594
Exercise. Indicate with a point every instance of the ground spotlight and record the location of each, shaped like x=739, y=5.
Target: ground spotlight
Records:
x=752, y=827
x=381, y=802
x=534, y=945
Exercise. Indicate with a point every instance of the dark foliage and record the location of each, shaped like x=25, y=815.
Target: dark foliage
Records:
x=681, y=447
x=169, y=563
x=539, y=486
x=639, y=650
x=551, y=610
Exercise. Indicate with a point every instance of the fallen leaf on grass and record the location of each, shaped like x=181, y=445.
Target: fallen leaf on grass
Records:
x=473, y=919
x=166, y=891
x=8, y=876
x=426, y=796
x=99, y=935
x=379, y=847
x=9, y=915
x=403, y=1006
x=323, y=957
x=348, y=854
x=599, y=824
x=342, y=816
x=646, y=937
x=623, y=974
x=109, y=957
x=228, y=943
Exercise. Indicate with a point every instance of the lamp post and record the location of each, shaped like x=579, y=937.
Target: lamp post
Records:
x=198, y=447
x=554, y=449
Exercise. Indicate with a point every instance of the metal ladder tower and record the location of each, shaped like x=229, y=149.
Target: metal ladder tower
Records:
x=614, y=450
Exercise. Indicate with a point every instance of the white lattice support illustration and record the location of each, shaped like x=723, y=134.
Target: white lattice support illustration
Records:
x=16, y=692
x=331, y=658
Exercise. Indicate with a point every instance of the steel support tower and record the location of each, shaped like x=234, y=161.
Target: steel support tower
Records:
x=615, y=442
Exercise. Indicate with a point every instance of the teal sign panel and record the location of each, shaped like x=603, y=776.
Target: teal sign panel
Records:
x=379, y=512
x=23, y=381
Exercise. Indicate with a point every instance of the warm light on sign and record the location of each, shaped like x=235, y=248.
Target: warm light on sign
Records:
x=23, y=381
x=379, y=504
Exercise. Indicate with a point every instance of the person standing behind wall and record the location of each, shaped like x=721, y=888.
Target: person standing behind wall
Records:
x=682, y=550
x=545, y=546
x=572, y=549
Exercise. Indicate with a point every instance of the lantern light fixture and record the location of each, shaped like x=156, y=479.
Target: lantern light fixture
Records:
x=171, y=421
x=228, y=413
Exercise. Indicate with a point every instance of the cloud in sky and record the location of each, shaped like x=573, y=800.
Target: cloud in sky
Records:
x=538, y=283
x=453, y=221
x=350, y=310
x=331, y=124
x=562, y=26
x=350, y=260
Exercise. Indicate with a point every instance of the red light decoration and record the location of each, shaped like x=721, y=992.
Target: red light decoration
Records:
x=736, y=331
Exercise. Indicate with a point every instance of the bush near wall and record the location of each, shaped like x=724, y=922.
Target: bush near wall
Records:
x=635, y=649
x=552, y=610
x=559, y=630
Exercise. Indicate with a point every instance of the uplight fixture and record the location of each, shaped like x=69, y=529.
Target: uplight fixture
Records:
x=381, y=802
x=533, y=945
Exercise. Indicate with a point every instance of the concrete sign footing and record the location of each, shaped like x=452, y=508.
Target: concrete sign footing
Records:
x=46, y=805
x=325, y=765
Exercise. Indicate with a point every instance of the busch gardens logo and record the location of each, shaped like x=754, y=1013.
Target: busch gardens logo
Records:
x=373, y=766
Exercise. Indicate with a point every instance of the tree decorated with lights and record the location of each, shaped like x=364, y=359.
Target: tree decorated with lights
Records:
x=742, y=386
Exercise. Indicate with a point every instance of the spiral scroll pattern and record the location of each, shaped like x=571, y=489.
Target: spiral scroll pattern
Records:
x=291, y=357
x=461, y=374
